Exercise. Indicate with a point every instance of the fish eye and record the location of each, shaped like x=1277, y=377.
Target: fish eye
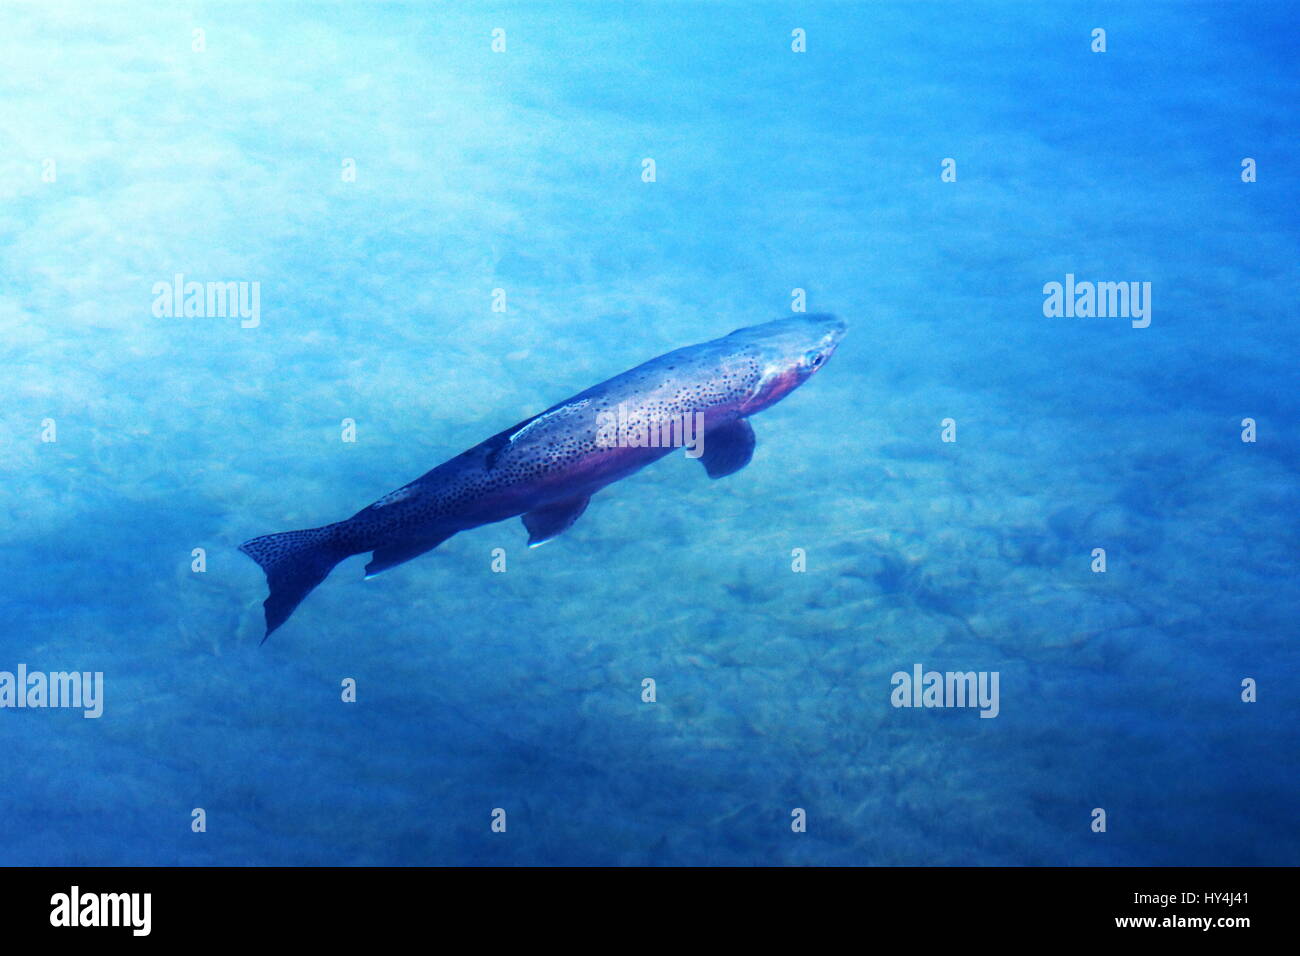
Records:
x=814, y=359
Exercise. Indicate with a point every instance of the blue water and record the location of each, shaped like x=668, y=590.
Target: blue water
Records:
x=775, y=170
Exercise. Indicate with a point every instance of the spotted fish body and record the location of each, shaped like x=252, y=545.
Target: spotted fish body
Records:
x=546, y=468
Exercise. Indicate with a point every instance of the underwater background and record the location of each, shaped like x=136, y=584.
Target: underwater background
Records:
x=224, y=156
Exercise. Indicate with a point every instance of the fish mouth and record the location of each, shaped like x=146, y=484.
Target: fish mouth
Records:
x=835, y=328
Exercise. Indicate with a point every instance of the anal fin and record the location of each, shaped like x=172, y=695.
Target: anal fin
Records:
x=391, y=555
x=728, y=448
x=554, y=519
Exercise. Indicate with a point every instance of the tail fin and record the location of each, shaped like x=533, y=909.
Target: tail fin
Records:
x=294, y=562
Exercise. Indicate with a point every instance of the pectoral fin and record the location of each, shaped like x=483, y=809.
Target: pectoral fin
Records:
x=728, y=448
x=554, y=519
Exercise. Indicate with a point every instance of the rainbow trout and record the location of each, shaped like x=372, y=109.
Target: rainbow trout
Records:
x=547, y=467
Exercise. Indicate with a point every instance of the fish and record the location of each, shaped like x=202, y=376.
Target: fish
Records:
x=546, y=468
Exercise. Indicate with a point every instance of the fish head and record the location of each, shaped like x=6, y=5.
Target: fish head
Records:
x=787, y=353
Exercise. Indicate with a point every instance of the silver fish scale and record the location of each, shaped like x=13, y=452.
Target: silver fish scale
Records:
x=558, y=440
